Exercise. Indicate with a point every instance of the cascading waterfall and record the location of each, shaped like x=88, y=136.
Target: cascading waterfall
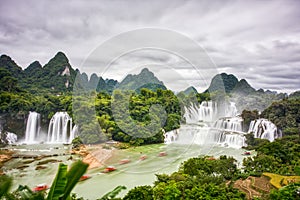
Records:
x=229, y=124
x=206, y=112
x=226, y=131
x=33, y=127
x=193, y=134
x=264, y=129
x=60, y=128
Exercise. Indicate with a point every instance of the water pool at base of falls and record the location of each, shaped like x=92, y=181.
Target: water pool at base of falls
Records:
x=137, y=172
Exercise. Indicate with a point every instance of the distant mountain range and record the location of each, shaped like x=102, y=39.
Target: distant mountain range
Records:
x=58, y=76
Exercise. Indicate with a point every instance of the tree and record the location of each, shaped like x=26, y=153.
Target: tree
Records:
x=140, y=192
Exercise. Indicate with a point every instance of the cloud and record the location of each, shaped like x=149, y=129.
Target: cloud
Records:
x=255, y=40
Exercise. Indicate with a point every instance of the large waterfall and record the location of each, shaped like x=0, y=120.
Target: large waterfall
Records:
x=225, y=131
x=33, y=127
x=264, y=129
x=60, y=128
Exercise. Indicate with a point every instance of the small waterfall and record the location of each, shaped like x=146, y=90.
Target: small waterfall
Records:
x=229, y=124
x=74, y=133
x=60, y=128
x=7, y=137
x=170, y=136
x=33, y=127
x=264, y=129
x=11, y=138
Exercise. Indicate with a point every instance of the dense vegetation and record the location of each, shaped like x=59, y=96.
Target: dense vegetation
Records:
x=281, y=156
x=285, y=114
x=138, y=115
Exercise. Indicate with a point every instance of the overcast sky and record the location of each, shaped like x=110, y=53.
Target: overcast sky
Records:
x=255, y=40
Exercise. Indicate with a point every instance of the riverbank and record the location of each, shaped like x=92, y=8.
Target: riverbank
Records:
x=95, y=155
x=5, y=155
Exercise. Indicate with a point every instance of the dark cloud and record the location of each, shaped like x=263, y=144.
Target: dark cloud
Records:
x=256, y=40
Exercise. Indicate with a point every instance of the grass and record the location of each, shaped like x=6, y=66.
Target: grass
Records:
x=279, y=181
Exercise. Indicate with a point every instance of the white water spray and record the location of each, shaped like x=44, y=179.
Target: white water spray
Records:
x=33, y=127
x=264, y=129
x=60, y=128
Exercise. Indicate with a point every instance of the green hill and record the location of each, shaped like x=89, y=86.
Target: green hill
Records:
x=145, y=79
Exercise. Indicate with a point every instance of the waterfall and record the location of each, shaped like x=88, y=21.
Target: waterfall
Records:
x=170, y=136
x=74, y=133
x=7, y=137
x=231, y=110
x=264, y=129
x=11, y=138
x=229, y=124
x=204, y=136
x=60, y=128
x=206, y=112
x=226, y=131
x=33, y=127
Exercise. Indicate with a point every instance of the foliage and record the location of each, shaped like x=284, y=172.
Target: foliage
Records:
x=249, y=116
x=285, y=115
x=5, y=184
x=65, y=180
x=140, y=192
x=113, y=193
x=254, y=143
x=281, y=156
x=224, y=168
x=289, y=192
x=139, y=105
x=61, y=187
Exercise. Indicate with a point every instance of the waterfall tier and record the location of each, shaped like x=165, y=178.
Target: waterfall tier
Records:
x=60, y=128
x=193, y=134
x=231, y=110
x=229, y=124
x=208, y=111
x=264, y=129
x=33, y=127
x=171, y=136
